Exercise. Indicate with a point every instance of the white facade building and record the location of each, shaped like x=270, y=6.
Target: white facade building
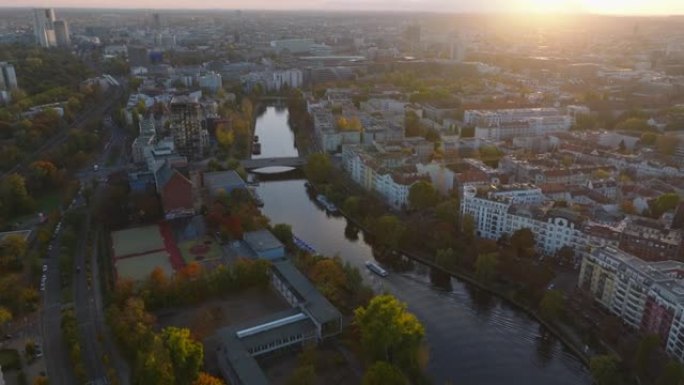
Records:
x=510, y=123
x=393, y=187
x=291, y=78
x=506, y=211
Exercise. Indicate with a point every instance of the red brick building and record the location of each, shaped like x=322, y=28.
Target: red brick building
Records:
x=176, y=192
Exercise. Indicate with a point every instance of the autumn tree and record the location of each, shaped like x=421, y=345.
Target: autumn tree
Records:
x=447, y=258
x=318, y=167
x=186, y=354
x=12, y=249
x=15, y=197
x=382, y=373
x=5, y=316
x=422, y=195
x=663, y=204
x=330, y=279
x=207, y=379
x=388, y=230
x=389, y=332
x=154, y=366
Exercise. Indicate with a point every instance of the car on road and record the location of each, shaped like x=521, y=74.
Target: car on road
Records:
x=45, y=268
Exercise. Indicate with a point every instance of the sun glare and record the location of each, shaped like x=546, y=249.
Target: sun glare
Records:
x=601, y=6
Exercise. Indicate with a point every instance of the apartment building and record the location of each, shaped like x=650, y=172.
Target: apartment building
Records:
x=648, y=296
x=506, y=124
x=506, y=209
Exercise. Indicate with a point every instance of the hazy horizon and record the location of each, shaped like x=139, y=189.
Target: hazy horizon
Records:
x=608, y=7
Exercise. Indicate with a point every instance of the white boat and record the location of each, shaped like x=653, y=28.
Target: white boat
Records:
x=375, y=268
x=326, y=203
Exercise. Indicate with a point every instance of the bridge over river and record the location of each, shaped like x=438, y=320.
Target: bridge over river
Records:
x=252, y=164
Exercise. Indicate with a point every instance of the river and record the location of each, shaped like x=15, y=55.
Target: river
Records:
x=474, y=337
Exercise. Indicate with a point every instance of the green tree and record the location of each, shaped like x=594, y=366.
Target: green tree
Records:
x=672, y=374
x=15, y=197
x=468, y=227
x=448, y=211
x=303, y=375
x=388, y=230
x=633, y=124
x=352, y=206
x=389, y=332
x=552, y=304
x=522, y=241
x=447, y=258
x=646, y=356
x=318, y=167
x=663, y=204
x=422, y=196
x=605, y=370
x=648, y=138
x=485, y=266
x=186, y=354
x=382, y=373
x=283, y=232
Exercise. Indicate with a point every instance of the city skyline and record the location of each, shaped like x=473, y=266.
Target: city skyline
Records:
x=617, y=7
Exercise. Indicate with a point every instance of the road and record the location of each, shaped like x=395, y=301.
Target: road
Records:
x=96, y=341
x=93, y=332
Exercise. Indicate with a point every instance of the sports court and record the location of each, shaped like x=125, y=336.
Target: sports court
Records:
x=139, y=250
x=135, y=241
x=140, y=267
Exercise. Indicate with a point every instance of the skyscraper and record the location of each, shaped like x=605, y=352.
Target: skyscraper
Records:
x=62, y=33
x=44, y=27
x=8, y=78
x=189, y=137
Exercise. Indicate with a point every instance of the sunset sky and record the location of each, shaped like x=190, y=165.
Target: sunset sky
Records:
x=631, y=7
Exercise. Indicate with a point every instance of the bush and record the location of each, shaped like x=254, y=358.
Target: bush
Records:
x=9, y=359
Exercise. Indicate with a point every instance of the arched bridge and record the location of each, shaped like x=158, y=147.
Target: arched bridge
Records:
x=252, y=164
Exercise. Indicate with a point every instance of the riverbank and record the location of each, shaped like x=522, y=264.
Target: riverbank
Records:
x=569, y=341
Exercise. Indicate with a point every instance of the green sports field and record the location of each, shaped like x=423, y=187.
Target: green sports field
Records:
x=205, y=249
x=137, y=240
x=140, y=267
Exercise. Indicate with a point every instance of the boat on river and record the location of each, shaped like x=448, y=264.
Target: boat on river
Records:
x=329, y=206
x=375, y=268
x=256, y=148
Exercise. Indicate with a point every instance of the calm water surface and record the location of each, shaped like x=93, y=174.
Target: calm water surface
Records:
x=474, y=338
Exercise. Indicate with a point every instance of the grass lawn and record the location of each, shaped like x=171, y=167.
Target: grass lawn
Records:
x=49, y=202
x=137, y=240
x=9, y=359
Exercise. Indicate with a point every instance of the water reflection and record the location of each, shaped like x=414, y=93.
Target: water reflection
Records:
x=351, y=232
x=482, y=301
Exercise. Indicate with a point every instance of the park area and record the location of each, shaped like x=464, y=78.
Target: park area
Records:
x=140, y=250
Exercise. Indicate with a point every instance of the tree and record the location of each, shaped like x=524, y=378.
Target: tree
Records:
x=389, y=332
x=154, y=365
x=446, y=258
x=552, y=304
x=186, y=354
x=663, y=204
x=5, y=316
x=15, y=196
x=303, y=375
x=40, y=380
x=330, y=279
x=522, y=241
x=12, y=249
x=672, y=374
x=646, y=356
x=468, y=229
x=283, y=232
x=382, y=373
x=633, y=124
x=485, y=266
x=422, y=195
x=207, y=379
x=388, y=230
x=448, y=211
x=318, y=167
x=605, y=370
